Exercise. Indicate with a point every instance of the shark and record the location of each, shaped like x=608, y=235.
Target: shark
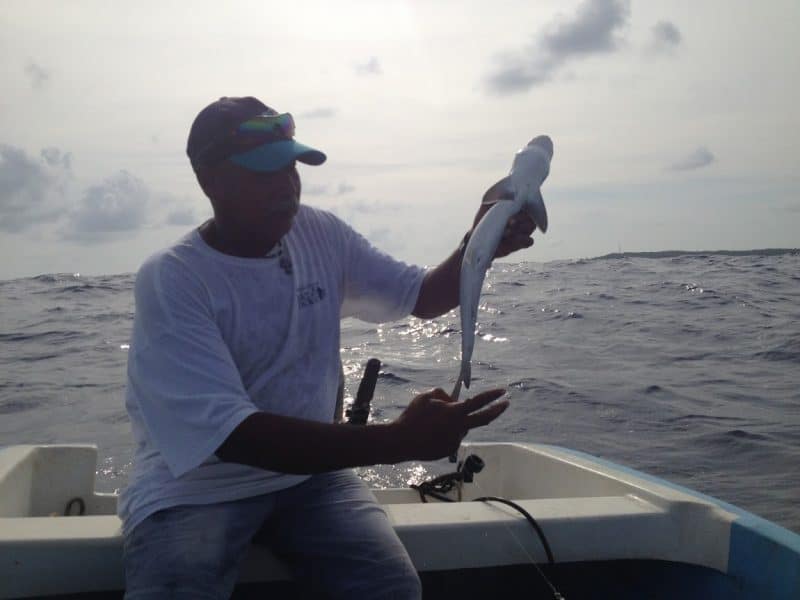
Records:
x=519, y=190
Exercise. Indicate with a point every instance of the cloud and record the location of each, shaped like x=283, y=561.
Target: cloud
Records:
x=117, y=205
x=324, y=112
x=35, y=191
x=344, y=188
x=371, y=67
x=182, y=217
x=173, y=211
x=518, y=76
x=590, y=31
x=37, y=75
x=328, y=190
x=666, y=37
x=593, y=29
x=351, y=210
x=374, y=207
x=56, y=158
x=31, y=191
x=383, y=238
x=314, y=190
x=702, y=157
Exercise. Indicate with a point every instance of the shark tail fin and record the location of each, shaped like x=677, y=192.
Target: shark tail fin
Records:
x=463, y=378
x=456, y=389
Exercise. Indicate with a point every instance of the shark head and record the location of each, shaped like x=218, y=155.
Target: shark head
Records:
x=543, y=143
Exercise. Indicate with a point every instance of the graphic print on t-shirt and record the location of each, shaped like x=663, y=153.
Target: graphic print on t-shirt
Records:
x=310, y=294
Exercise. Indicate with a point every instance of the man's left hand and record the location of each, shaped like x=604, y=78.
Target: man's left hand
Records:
x=517, y=234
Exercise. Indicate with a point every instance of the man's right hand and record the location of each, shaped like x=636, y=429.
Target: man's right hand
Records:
x=433, y=424
x=431, y=427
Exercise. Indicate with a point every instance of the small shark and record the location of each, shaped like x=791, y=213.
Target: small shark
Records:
x=518, y=191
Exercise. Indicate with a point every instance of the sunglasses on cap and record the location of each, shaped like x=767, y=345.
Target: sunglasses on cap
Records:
x=267, y=127
x=258, y=130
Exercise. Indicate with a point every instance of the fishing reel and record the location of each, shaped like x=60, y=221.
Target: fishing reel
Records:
x=443, y=484
x=358, y=414
x=471, y=465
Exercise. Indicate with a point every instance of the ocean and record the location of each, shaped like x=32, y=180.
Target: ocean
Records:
x=685, y=366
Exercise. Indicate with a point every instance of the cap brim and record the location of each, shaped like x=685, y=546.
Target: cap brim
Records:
x=276, y=155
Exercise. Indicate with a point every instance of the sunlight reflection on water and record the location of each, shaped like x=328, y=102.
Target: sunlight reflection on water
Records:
x=659, y=364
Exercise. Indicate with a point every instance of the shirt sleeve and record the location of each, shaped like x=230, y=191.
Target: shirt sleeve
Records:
x=377, y=287
x=182, y=379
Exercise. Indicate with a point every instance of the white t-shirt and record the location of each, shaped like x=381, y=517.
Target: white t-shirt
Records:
x=218, y=337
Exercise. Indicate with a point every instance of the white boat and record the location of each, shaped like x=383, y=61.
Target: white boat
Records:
x=612, y=532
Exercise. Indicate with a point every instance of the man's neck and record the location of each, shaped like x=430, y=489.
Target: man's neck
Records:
x=218, y=238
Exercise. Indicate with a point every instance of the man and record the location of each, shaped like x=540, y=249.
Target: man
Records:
x=232, y=378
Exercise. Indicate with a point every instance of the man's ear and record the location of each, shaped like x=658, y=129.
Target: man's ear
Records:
x=207, y=181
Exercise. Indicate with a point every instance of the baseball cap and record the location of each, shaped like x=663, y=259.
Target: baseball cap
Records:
x=249, y=133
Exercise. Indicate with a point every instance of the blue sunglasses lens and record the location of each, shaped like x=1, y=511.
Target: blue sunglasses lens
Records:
x=276, y=126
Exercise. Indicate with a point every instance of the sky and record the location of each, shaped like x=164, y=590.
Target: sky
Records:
x=675, y=123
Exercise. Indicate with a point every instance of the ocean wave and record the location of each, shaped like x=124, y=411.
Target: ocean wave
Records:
x=787, y=351
x=11, y=406
x=623, y=357
x=700, y=254
x=52, y=336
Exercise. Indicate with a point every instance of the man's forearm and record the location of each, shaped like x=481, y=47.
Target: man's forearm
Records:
x=439, y=291
x=291, y=445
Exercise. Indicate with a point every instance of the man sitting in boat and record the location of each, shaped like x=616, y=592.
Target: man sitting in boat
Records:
x=233, y=372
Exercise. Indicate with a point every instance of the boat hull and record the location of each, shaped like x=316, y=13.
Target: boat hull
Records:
x=614, y=532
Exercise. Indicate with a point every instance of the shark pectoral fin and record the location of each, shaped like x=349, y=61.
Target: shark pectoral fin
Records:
x=485, y=238
x=499, y=191
x=536, y=209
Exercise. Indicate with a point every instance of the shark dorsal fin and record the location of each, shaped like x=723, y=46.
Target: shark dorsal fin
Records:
x=537, y=211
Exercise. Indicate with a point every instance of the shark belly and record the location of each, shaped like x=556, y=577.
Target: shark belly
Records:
x=477, y=259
